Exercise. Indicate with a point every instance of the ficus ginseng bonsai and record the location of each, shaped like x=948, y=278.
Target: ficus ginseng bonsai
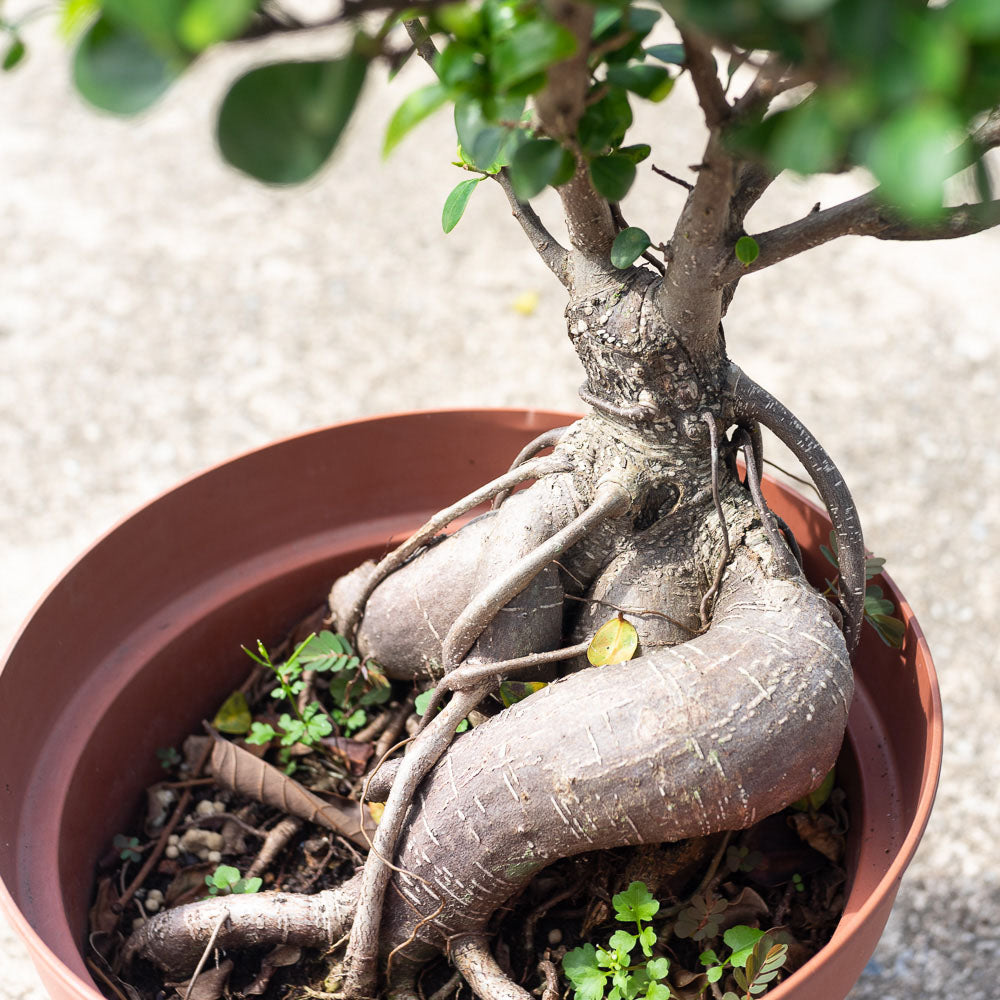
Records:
x=737, y=702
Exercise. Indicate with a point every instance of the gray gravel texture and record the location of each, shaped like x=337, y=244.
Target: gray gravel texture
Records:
x=159, y=313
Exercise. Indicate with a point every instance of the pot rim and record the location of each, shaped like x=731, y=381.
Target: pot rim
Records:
x=850, y=925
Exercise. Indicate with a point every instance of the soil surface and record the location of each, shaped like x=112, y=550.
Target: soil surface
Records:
x=161, y=313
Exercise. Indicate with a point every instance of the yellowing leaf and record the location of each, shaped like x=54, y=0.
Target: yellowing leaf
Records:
x=375, y=810
x=526, y=303
x=234, y=715
x=513, y=691
x=614, y=642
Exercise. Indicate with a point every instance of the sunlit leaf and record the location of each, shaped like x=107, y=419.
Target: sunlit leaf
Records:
x=375, y=810
x=411, y=112
x=614, y=642
x=747, y=250
x=651, y=82
x=454, y=205
x=205, y=22
x=234, y=715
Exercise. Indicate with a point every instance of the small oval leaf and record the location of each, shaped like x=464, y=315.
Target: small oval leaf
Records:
x=747, y=250
x=629, y=246
x=538, y=163
x=612, y=175
x=454, y=205
x=234, y=715
x=614, y=642
x=15, y=53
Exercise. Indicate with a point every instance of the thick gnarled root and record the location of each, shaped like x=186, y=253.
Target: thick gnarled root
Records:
x=679, y=742
x=176, y=938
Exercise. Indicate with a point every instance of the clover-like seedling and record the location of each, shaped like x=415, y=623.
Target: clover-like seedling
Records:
x=168, y=757
x=226, y=880
x=589, y=968
x=127, y=847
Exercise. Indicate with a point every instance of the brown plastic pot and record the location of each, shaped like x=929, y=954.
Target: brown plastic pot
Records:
x=140, y=639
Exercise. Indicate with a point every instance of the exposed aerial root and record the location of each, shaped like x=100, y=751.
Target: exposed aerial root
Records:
x=548, y=439
x=529, y=470
x=175, y=939
x=473, y=958
x=783, y=552
x=750, y=404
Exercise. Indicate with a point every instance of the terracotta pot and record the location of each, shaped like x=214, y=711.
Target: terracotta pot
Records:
x=140, y=639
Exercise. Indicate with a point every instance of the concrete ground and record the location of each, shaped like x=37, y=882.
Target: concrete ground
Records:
x=159, y=313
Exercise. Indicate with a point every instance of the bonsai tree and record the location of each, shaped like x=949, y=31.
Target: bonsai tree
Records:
x=736, y=699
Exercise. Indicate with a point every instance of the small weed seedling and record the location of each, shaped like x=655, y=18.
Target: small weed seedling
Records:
x=226, y=880
x=127, y=847
x=755, y=958
x=879, y=610
x=353, y=686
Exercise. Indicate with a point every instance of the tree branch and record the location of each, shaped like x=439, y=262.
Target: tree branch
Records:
x=862, y=216
x=555, y=256
x=700, y=63
x=559, y=107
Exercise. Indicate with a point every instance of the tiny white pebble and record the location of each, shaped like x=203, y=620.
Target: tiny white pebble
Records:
x=214, y=856
x=154, y=894
x=205, y=808
x=219, y=806
x=172, y=851
x=581, y=327
x=138, y=922
x=555, y=936
x=204, y=853
x=173, y=839
x=152, y=905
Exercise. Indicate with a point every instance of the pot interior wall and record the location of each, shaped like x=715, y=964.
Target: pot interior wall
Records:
x=141, y=638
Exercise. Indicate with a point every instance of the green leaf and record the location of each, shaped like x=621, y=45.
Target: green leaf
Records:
x=454, y=205
x=647, y=938
x=629, y=246
x=806, y=139
x=622, y=942
x=635, y=903
x=604, y=123
x=581, y=969
x=612, y=175
x=14, y=54
x=326, y=651
x=512, y=692
x=280, y=123
x=116, y=69
x=889, y=629
x=912, y=155
x=651, y=82
x=484, y=143
x=657, y=991
x=636, y=153
x=742, y=940
x=538, y=163
x=815, y=799
x=747, y=250
x=261, y=733
x=411, y=112
x=205, y=22
x=672, y=53
x=529, y=49
x=657, y=968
